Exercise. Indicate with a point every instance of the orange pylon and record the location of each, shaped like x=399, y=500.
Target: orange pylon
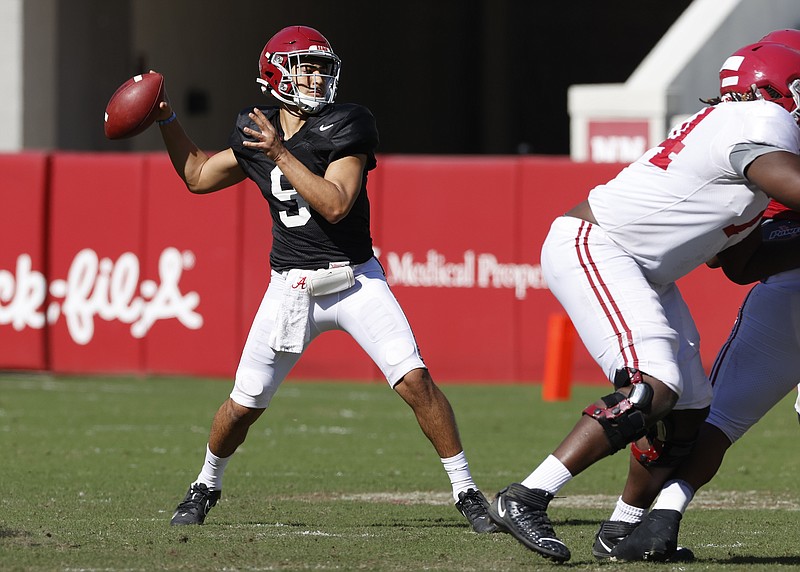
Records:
x=558, y=358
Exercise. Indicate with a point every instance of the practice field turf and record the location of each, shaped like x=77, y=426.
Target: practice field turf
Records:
x=336, y=476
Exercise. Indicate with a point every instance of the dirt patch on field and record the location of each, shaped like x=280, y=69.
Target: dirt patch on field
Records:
x=704, y=499
x=709, y=500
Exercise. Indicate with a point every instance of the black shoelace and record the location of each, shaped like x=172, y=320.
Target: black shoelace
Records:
x=472, y=505
x=535, y=521
x=199, y=497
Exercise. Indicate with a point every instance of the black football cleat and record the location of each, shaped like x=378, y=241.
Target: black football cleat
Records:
x=610, y=534
x=195, y=506
x=475, y=508
x=655, y=539
x=522, y=512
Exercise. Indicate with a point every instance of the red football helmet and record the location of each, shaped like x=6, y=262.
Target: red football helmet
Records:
x=280, y=69
x=766, y=71
x=787, y=37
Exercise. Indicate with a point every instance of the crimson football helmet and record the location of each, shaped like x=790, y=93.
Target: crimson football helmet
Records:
x=280, y=68
x=763, y=70
x=786, y=37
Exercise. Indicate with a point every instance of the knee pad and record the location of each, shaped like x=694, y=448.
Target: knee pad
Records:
x=623, y=418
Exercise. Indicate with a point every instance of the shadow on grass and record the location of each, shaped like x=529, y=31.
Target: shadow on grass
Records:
x=754, y=560
x=575, y=522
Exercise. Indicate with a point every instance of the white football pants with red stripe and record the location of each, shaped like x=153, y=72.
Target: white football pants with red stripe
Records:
x=622, y=319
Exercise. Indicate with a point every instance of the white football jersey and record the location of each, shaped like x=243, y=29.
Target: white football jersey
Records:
x=684, y=201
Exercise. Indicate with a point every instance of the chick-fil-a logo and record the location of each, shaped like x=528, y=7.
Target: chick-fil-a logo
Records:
x=99, y=288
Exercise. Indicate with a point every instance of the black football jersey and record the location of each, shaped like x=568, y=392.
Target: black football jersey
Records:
x=301, y=237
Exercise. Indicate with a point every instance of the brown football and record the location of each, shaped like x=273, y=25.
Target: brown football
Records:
x=134, y=106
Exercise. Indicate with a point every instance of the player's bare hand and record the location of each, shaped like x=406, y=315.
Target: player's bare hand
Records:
x=265, y=137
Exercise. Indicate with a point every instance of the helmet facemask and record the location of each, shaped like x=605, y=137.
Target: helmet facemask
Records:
x=794, y=89
x=778, y=97
x=309, y=70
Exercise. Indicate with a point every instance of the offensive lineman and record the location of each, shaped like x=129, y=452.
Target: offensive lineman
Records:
x=310, y=158
x=612, y=262
x=756, y=367
x=754, y=370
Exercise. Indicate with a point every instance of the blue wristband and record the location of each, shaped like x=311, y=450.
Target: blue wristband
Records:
x=168, y=120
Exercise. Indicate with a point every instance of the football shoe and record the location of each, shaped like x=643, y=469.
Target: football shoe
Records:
x=195, y=506
x=612, y=532
x=655, y=538
x=522, y=512
x=475, y=508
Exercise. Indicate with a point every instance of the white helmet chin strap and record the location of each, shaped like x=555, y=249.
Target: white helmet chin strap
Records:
x=308, y=103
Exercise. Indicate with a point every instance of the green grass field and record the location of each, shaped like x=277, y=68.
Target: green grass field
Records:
x=336, y=476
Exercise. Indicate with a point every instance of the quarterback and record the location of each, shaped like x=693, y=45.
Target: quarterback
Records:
x=310, y=158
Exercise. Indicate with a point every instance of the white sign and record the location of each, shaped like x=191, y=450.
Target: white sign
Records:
x=617, y=149
x=99, y=288
x=481, y=270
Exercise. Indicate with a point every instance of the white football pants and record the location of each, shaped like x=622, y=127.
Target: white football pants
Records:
x=368, y=311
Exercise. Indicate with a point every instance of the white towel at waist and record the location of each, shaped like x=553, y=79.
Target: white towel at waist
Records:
x=292, y=331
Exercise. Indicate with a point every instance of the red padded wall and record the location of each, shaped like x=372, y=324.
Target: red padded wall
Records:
x=23, y=283
x=95, y=238
x=142, y=276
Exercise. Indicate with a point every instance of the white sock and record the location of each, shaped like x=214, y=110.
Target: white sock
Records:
x=457, y=469
x=674, y=495
x=213, y=468
x=627, y=513
x=550, y=476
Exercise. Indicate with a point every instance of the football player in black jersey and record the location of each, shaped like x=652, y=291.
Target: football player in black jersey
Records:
x=310, y=158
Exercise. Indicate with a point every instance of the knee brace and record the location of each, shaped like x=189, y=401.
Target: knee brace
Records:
x=659, y=448
x=623, y=418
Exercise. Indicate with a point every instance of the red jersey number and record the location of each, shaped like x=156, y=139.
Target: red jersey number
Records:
x=674, y=144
